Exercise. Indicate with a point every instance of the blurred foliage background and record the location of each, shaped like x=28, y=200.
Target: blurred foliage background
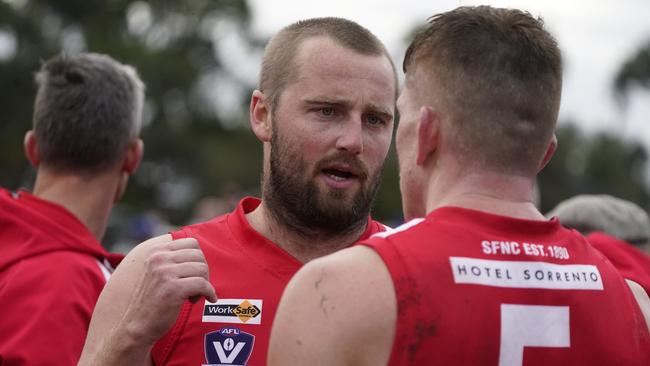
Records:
x=200, y=60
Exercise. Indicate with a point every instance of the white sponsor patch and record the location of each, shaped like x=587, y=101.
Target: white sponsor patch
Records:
x=238, y=311
x=519, y=274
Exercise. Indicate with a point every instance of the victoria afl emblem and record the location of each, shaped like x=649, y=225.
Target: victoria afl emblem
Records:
x=228, y=346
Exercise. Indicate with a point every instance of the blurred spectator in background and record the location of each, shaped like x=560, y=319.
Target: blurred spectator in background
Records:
x=208, y=208
x=620, y=229
x=84, y=146
x=213, y=206
x=613, y=216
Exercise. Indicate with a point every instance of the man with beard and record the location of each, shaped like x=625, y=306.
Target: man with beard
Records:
x=479, y=276
x=324, y=112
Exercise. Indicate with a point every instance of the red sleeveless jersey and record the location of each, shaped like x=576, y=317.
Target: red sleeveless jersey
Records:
x=474, y=288
x=249, y=273
x=632, y=263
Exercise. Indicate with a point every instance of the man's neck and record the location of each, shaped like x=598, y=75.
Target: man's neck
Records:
x=90, y=200
x=302, y=247
x=506, y=195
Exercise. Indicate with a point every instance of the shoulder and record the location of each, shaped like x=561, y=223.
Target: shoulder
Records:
x=148, y=246
x=119, y=290
x=125, y=277
x=358, y=270
x=337, y=266
x=326, y=303
x=67, y=270
x=643, y=300
x=215, y=227
x=210, y=224
x=52, y=287
x=61, y=260
x=133, y=261
x=406, y=231
x=616, y=249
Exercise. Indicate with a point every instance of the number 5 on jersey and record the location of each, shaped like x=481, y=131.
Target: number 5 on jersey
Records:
x=531, y=326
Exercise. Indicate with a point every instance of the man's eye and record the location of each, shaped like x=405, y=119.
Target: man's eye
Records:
x=327, y=111
x=374, y=120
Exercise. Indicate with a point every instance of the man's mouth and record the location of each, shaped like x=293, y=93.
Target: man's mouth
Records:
x=342, y=172
x=338, y=174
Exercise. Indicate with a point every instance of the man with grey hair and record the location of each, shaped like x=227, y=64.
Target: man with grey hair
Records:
x=324, y=114
x=84, y=145
x=613, y=216
x=618, y=228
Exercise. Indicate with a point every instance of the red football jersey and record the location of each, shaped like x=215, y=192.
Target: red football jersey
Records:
x=249, y=273
x=480, y=289
x=630, y=261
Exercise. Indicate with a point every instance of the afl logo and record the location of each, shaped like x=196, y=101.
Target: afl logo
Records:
x=228, y=346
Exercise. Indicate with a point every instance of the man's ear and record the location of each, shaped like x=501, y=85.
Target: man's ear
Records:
x=260, y=116
x=31, y=148
x=428, y=127
x=550, y=150
x=133, y=156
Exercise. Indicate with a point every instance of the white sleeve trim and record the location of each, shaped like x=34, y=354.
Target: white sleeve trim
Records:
x=398, y=229
x=106, y=269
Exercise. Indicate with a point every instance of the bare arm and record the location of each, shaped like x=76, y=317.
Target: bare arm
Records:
x=337, y=310
x=642, y=299
x=142, y=300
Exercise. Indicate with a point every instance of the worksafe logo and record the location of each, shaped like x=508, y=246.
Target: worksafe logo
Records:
x=236, y=311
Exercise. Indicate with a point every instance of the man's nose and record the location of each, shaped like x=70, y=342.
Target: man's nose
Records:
x=351, y=136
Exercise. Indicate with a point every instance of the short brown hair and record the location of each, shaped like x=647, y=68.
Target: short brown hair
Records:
x=87, y=110
x=278, y=66
x=498, y=73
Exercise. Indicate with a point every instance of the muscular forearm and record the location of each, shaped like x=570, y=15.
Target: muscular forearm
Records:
x=143, y=299
x=121, y=347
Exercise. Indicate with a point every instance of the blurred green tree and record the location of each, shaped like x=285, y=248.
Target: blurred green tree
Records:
x=199, y=61
x=634, y=72
x=195, y=133
x=599, y=163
